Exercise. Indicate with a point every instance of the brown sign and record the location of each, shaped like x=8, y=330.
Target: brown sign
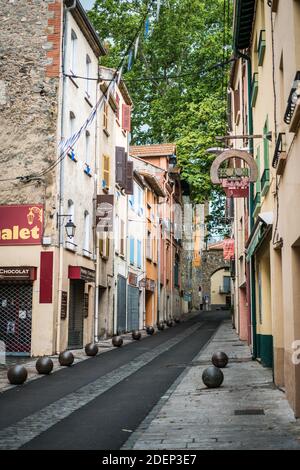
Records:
x=64, y=304
x=86, y=305
x=150, y=285
x=132, y=279
x=17, y=273
x=79, y=272
x=104, y=212
x=142, y=283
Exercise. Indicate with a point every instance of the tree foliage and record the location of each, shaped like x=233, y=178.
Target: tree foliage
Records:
x=184, y=102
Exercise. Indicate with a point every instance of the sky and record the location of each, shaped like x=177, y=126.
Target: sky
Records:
x=87, y=4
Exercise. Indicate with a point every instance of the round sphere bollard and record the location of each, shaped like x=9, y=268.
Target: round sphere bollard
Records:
x=66, y=358
x=219, y=359
x=212, y=377
x=91, y=349
x=44, y=365
x=170, y=323
x=150, y=330
x=161, y=326
x=17, y=374
x=117, y=341
x=136, y=334
x=177, y=320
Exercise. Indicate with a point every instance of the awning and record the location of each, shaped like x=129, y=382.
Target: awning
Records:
x=262, y=227
x=244, y=14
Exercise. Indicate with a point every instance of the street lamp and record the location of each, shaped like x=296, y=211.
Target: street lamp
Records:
x=70, y=226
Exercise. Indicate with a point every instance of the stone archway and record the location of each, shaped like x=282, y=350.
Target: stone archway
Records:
x=212, y=261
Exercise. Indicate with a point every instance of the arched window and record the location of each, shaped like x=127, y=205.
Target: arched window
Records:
x=87, y=148
x=73, y=52
x=86, y=243
x=87, y=74
x=72, y=123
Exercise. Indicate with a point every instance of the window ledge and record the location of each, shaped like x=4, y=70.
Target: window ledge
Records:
x=87, y=254
x=70, y=246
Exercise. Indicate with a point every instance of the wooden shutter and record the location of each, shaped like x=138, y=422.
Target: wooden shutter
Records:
x=126, y=117
x=121, y=166
x=106, y=170
x=129, y=180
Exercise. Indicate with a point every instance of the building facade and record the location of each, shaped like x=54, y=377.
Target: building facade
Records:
x=266, y=76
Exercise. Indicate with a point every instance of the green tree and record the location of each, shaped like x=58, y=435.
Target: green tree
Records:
x=177, y=91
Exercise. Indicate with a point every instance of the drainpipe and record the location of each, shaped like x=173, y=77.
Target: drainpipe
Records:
x=61, y=178
x=96, y=237
x=172, y=263
x=165, y=250
x=251, y=208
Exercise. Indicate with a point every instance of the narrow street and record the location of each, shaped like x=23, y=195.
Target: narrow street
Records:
x=97, y=403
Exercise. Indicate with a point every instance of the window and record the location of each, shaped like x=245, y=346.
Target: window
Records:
x=73, y=52
x=122, y=238
x=131, y=250
x=176, y=272
x=154, y=250
x=87, y=74
x=139, y=254
x=72, y=130
x=87, y=148
x=71, y=215
x=149, y=245
x=106, y=171
x=140, y=208
x=118, y=107
x=86, y=243
x=226, y=284
x=105, y=117
x=104, y=245
x=117, y=234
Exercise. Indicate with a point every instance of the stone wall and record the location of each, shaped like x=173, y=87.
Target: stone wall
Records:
x=30, y=38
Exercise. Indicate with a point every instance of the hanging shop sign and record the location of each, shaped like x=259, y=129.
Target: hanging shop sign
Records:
x=150, y=285
x=18, y=273
x=234, y=180
x=81, y=273
x=104, y=213
x=132, y=279
x=64, y=305
x=21, y=225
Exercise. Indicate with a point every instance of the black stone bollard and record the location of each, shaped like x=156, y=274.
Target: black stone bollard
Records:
x=170, y=323
x=219, y=359
x=150, y=330
x=117, y=341
x=91, y=349
x=66, y=358
x=17, y=374
x=161, y=326
x=44, y=365
x=212, y=377
x=136, y=335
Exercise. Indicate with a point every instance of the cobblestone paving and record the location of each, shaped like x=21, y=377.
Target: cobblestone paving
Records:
x=28, y=428
x=189, y=416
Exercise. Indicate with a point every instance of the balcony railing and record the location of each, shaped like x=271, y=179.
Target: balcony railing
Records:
x=254, y=89
x=279, y=148
x=261, y=47
x=265, y=179
x=292, y=100
x=224, y=290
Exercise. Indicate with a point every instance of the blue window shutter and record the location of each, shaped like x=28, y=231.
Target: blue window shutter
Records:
x=131, y=250
x=139, y=254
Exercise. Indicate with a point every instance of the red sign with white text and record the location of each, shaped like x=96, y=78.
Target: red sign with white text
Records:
x=21, y=225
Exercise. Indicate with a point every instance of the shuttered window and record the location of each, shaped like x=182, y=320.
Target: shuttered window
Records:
x=131, y=250
x=121, y=166
x=105, y=117
x=126, y=117
x=106, y=172
x=139, y=254
x=129, y=178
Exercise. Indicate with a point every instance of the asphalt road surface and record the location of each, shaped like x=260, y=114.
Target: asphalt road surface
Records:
x=97, y=403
